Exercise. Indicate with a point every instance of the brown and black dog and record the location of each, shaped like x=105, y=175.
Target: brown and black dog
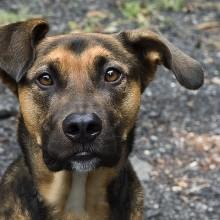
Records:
x=79, y=96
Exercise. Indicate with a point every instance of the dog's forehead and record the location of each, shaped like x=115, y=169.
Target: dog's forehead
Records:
x=79, y=43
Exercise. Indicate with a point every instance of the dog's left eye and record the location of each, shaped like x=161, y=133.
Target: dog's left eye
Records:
x=45, y=79
x=112, y=75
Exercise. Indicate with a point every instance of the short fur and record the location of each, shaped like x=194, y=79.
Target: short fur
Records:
x=45, y=182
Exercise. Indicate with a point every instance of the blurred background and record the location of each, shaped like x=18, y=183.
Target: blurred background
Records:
x=177, y=151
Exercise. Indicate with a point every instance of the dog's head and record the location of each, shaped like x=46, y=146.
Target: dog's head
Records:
x=79, y=94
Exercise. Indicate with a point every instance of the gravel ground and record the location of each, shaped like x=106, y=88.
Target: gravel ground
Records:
x=177, y=152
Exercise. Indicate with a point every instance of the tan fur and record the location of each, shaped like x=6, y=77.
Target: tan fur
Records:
x=97, y=191
x=130, y=107
x=76, y=65
x=153, y=58
x=52, y=186
x=57, y=192
x=20, y=214
x=31, y=113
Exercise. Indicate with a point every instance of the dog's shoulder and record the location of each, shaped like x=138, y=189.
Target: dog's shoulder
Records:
x=10, y=177
x=125, y=194
x=18, y=194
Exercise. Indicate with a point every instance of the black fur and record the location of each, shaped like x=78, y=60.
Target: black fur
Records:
x=78, y=45
x=21, y=191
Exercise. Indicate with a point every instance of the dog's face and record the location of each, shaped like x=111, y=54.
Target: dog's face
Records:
x=79, y=100
x=80, y=94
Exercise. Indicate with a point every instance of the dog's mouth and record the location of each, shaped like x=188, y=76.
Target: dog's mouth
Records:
x=84, y=161
x=83, y=156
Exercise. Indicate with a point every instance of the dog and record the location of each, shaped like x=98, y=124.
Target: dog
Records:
x=79, y=96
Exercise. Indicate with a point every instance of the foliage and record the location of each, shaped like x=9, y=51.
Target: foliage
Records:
x=9, y=17
x=173, y=5
x=133, y=8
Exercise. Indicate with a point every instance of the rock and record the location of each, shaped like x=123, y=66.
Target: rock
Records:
x=141, y=167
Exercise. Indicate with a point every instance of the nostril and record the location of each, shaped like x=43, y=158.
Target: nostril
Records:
x=74, y=129
x=93, y=128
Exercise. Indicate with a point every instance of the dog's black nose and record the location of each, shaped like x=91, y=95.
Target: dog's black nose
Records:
x=82, y=127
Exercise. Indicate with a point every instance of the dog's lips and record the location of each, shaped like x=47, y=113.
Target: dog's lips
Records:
x=83, y=156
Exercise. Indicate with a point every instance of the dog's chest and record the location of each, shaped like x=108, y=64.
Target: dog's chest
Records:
x=85, y=198
x=77, y=196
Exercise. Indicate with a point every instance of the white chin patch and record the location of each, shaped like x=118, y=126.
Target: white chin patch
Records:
x=85, y=165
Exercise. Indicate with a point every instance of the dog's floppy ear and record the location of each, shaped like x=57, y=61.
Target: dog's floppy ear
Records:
x=17, y=47
x=153, y=49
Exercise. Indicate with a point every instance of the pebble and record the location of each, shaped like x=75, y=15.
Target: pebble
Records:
x=1, y=150
x=216, y=80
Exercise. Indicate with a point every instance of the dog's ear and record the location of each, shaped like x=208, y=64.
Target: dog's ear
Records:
x=153, y=49
x=17, y=48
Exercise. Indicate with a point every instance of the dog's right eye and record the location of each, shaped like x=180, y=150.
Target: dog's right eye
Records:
x=45, y=80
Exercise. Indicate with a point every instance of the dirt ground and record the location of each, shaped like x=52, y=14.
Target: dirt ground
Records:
x=177, y=151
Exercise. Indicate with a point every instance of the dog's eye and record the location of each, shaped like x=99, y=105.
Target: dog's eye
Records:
x=112, y=75
x=45, y=79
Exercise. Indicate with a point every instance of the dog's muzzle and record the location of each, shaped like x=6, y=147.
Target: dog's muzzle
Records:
x=82, y=128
